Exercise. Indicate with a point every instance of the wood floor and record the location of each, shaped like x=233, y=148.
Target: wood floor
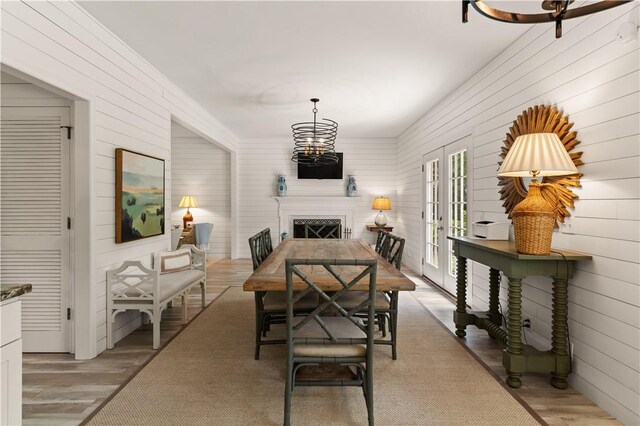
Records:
x=58, y=390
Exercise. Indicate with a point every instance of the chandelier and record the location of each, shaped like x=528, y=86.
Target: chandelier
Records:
x=314, y=142
x=558, y=10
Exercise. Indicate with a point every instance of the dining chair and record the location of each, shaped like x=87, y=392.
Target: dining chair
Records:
x=329, y=231
x=342, y=338
x=392, y=248
x=271, y=307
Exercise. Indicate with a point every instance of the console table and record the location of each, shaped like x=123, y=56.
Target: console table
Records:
x=502, y=256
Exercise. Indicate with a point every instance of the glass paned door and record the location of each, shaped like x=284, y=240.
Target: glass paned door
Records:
x=433, y=261
x=446, y=210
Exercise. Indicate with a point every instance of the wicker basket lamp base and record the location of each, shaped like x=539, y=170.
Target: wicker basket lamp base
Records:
x=533, y=223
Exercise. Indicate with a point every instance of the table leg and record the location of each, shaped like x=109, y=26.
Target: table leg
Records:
x=461, y=293
x=494, y=293
x=514, y=343
x=559, y=346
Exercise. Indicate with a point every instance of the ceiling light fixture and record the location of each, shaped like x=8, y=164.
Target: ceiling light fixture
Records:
x=558, y=11
x=314, y=142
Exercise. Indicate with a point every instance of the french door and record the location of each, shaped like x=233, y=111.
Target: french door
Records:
x=446, y=174
x=34, y=209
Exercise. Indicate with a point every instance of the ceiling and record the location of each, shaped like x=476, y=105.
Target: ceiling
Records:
x=377, y=67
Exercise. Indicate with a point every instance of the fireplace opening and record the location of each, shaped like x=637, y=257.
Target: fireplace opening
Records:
x=317, y=228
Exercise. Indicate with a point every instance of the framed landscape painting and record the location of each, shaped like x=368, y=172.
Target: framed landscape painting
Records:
x=139, y=196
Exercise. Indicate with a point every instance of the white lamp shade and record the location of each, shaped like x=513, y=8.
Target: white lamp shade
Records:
x=542, y=152
x=188, y=201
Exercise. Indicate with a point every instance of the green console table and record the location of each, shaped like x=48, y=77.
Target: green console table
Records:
x=502, y=256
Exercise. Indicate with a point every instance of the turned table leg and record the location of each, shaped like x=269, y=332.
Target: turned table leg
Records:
x=559, y=345
x=494, y=293
x=514, y=343
x=461, y=293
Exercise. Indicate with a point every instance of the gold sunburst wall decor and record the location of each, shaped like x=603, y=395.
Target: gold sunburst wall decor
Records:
x=542, y=119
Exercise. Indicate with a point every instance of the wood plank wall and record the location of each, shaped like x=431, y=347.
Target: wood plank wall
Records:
x=595, y=79
x=260, y=161
x=132, y=108
x=202, y=169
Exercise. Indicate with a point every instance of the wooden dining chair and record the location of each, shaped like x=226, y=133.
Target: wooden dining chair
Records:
x=271, y=307
x=342, y=338
x=392, y=248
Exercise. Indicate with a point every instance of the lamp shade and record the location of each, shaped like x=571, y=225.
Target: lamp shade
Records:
x=381, y=203
x=539, y=152
x=188, y=201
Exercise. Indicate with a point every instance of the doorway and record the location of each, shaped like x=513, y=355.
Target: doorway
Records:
x=446, y=209
x=35, y=159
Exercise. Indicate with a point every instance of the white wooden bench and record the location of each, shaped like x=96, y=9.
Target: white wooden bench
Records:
x=134, y=286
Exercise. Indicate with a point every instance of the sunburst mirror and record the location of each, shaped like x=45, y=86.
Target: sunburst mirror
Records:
x=542, y=119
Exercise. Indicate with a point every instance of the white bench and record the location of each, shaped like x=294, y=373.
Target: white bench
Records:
x=134, y=286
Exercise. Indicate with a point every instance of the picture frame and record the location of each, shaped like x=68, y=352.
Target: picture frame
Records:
x=140, y=196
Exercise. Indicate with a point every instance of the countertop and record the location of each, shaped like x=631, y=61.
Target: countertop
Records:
x=9, y=291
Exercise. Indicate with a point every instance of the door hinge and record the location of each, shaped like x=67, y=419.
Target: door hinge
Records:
x=68, y=223
x=423, y=168
x=423, y=215
x=68, y=131
x=68, y=313
x=422, y=261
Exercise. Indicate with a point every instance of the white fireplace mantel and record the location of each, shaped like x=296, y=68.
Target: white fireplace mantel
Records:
x=290, y=208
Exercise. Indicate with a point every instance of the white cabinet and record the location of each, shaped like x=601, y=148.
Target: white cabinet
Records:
x=10, y=362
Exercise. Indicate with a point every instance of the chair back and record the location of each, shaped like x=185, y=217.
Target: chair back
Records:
x=327, y=231
x=382, y=236
x=366, y=270
x=392, y=249
x=202, y=234
x=261, y=247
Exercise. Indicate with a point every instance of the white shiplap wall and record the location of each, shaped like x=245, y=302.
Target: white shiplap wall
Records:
x=595, y=79
x=260, y=161
x=202, y=169
x=131, y=107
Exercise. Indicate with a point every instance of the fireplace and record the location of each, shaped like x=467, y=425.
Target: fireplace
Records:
x=316, y=210
x=317, y=228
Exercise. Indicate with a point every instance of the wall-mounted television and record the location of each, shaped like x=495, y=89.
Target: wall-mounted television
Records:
x=333, y=171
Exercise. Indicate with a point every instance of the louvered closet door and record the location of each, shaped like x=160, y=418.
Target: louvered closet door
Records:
x=34, y=191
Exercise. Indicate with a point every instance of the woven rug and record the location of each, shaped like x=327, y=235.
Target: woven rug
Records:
x=207, y=375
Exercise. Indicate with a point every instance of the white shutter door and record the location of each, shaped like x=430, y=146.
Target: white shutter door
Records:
x=34, y=205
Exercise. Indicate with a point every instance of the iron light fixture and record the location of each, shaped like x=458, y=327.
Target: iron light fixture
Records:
x=314, y=142
x=558, y=10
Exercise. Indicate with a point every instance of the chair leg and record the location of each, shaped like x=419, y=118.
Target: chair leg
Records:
x=203, y=292
x=369, y=397
x=382, y=319
x=288, y=393
x=156, y=328
x=184, y=308
x=258, y=334
x=110, y=330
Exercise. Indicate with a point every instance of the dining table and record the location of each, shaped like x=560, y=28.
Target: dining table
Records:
x=270, y=275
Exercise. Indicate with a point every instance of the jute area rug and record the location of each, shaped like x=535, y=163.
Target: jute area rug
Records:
x=207, y=375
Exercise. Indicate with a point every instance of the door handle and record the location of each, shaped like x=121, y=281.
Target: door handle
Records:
x=440, y=228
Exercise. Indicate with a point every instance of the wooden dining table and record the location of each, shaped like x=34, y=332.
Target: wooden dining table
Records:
x=270, y=275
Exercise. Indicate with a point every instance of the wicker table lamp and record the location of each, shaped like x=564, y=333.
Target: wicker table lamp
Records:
x=533, y=155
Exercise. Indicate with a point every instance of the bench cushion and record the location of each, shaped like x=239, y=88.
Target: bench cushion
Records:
x=351, y=299
x=170, y=284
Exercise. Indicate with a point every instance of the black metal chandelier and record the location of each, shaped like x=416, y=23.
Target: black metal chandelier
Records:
x=558, y=11
x=314, y=142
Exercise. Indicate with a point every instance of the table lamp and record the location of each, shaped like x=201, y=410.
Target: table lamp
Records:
x=187, y=201
x=381, y=203
x=533, y=155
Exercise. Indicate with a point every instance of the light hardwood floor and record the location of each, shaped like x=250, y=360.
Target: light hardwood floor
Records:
x=59, y=390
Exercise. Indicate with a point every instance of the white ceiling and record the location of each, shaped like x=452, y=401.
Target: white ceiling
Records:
x=376, y=66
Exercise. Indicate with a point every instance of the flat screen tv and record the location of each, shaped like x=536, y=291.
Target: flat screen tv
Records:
x=333, y=171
